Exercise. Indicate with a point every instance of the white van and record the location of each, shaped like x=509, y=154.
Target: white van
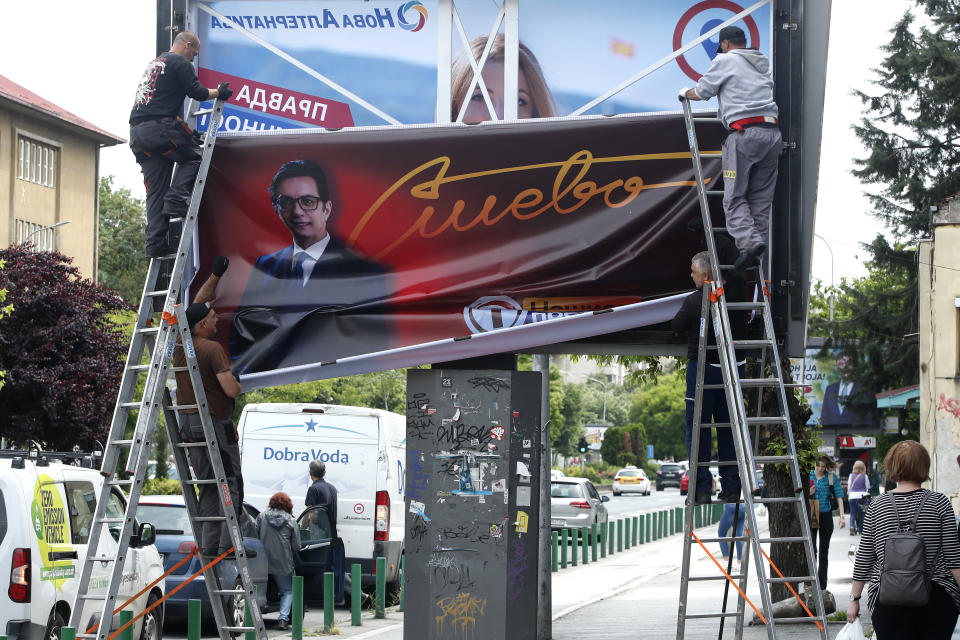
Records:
x=46, y=511
x=364, y=451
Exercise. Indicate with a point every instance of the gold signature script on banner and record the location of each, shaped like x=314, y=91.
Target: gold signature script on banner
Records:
x=527, y=204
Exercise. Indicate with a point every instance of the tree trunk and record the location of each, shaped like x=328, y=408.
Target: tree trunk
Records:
x=789, y=557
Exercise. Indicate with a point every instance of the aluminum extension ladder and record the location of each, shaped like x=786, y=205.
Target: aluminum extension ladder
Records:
x=160, y=338
x=715, y=311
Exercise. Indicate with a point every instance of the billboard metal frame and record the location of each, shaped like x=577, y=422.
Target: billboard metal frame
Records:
x=799, y=53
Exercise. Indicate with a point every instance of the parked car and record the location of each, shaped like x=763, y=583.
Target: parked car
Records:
x=46, y=512
x=685, y=482
x=556, y=473
x=669, y=475
x=575, y=503
x=631, y=480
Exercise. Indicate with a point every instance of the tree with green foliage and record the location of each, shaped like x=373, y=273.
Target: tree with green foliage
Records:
x=122, y=224
x=566, y=414
x=660, y=408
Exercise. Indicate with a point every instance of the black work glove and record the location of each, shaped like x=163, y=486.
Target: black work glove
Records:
x=198, y=136
x=220, y=264
x=224, y=91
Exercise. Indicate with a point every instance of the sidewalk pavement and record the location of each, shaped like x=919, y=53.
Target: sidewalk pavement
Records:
x=629, y=592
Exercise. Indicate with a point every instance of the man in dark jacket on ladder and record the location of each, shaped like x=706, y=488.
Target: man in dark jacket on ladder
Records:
x=160, y=138
x=741, y=80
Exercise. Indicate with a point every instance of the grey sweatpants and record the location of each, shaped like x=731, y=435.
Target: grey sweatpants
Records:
x=215, y=534
x=750, y=161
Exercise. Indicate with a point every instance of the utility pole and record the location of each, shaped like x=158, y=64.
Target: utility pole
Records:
x=541, y=363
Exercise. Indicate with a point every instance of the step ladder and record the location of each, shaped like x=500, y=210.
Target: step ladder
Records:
x=715, y=311
x=159, y=337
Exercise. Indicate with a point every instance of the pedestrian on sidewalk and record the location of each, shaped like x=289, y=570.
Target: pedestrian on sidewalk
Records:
x=741, y=80
x=280, y=536
x=825, y=486
x=858, y=491
x=732, y=513
x=908, y=464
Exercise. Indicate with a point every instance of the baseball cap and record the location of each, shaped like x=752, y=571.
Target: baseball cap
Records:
x=197, y=312
x=730, y=33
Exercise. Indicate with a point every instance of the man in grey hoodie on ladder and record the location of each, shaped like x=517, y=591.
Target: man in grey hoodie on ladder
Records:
x=741, y=80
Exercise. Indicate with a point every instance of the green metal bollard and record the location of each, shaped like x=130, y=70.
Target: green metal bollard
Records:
x=248, y=619
x=636, y=520
x=124, y=617
x=356, y=595
x=564, y=547
x=626, y=533
x=66, y=633
x=554, y=552
x=585, y=543
x=643, y=528
x=381, y=594
x=603, y=540
x=327, y=601
x=194, y=613
x=403, y=582
x=619, y=535
x=611, y=535
x=574, y=551
x=593, y=542
x=296, y=611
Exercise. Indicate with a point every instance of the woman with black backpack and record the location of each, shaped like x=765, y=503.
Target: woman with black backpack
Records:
x=909, y=553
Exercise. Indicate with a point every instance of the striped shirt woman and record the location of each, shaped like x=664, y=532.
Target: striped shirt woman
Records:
x=908, y=463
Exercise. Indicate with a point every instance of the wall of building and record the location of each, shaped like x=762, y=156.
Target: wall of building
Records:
x=939, y=320
x=65, y=190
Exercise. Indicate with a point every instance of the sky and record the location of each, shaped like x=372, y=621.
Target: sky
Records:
x=112, y=44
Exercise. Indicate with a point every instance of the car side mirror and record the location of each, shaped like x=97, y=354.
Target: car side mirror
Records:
x=146, y=536
x=604, y=498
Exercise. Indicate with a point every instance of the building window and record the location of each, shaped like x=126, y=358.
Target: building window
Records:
x=43, y=238
x=36, y=162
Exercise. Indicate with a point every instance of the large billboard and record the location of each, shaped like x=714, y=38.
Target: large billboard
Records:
x=343, y=62
x=834, y=396
x=368, y=240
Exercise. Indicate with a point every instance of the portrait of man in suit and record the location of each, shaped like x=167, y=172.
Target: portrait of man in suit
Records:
x=314, y=300
x=840, y=398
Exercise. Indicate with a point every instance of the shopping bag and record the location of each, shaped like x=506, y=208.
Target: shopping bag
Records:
x=852, y=631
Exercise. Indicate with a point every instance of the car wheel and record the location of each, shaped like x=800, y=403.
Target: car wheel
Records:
x=152, y=621
x=237, y=611
x=616, y=493
x=55, y=625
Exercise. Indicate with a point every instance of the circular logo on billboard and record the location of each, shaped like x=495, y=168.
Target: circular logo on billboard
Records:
x=358, y=508
x=490, y=313
x=419, y=16
x=711, y=48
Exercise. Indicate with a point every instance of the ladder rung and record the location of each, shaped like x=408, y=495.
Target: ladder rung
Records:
x=719, y=614
x=719, y=229
x=772, y=459
x=745, y=306
x=774, y=500
x=706, y=154
x=93, y=597
x=228, y=592
x=714, y=192
x=795, y=620
x=209, y=519
x=789, y=579
x=212, y=481
x=121, y=443
x=85, y=635
x=202, y=112
x=744, y=344
x=100, y=558
x=705, y=118
x=187, y=445
x=149, y=330
x=717, y=577
x=733, y=539
x=159, y=293
x=766, y=420
x=239, y=628
x=783, y=539
x=180, y=407
x=131, y=405
x=759, y=382
x=119, y=483
x=110, y=520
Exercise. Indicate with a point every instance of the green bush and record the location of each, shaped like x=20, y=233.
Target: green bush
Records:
x=625, y=458
x=161, y=487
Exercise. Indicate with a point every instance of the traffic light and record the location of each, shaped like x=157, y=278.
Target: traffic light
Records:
x=582, y=446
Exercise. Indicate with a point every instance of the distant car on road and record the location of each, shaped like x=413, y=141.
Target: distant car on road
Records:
x=556, y=473
x=631, y=480
x=575, y=503
x=669, y=475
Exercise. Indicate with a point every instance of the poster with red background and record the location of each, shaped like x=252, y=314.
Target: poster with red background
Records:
x=477, y=228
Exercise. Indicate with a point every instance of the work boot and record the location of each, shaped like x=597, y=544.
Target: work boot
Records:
x=702, y=498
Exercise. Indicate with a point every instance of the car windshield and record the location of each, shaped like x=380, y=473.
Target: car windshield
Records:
x=669, y=468
x=170, y=519
x=629, y=473
x=565, y=490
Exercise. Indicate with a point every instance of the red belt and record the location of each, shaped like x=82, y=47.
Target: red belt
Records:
x=738, y=125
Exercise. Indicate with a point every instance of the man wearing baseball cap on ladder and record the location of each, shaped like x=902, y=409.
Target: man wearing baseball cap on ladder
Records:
x=741, y=80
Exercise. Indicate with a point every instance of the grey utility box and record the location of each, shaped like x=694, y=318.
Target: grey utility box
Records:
x=472, y=490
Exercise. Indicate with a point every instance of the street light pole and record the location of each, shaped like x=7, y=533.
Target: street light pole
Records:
x=604, y=385
x=832, y=291
x=42, y=229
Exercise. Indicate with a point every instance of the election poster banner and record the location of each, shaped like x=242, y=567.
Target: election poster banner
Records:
x=340, y=63
x=373, y=240
x=836, y=399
